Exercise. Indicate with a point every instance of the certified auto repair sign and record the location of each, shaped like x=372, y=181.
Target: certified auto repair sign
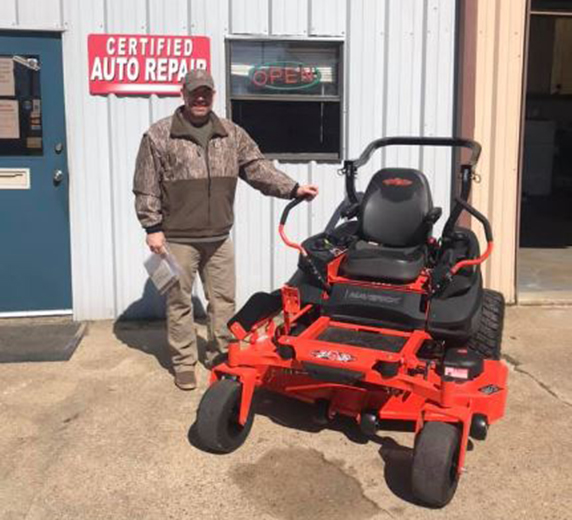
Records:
x=143, y=64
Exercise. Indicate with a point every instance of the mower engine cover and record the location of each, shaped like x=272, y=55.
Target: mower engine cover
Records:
x=461, y=364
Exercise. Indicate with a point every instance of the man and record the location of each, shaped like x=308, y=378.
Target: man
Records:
x=185, y=180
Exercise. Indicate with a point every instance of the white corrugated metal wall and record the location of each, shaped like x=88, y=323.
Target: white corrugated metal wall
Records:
x=399, y=80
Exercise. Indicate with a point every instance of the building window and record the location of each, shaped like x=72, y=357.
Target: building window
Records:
x=288, y=96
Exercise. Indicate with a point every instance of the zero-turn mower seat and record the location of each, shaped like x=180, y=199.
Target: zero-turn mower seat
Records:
x=374, y=262
x=395, y=219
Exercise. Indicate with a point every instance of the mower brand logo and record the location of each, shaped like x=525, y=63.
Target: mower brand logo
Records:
x=333, y=355
x=489, y=389
x=372, y=298
x=397, y=181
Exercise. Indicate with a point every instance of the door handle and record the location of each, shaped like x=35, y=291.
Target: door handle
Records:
x=58, y=176
x=30, y=63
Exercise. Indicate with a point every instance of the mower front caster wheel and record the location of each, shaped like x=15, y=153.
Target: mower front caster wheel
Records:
x=435, y=474
x=218, y=429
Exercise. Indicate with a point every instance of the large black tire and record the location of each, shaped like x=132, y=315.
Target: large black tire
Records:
x=434, y=475
x=488, y=337
x=217, y=424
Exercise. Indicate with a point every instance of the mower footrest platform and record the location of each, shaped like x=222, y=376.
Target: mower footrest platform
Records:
x=363, y=338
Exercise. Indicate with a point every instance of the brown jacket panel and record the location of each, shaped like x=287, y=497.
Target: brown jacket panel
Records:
x=169, y=155
x=188, y=211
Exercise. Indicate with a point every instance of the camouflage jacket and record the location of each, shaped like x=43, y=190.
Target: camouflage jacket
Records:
x=188, y=192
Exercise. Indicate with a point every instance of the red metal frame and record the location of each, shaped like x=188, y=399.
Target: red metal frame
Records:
x=417, y=286
x=417, y=393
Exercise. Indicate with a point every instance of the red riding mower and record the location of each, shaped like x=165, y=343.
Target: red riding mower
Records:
x=380, y=322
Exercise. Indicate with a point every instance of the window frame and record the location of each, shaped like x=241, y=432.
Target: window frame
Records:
x=292, y=157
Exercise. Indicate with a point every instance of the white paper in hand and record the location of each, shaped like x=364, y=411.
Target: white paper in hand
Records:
x=163, y=270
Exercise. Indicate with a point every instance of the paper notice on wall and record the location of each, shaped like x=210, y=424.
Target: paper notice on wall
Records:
x=9, y=119
x=7, y=84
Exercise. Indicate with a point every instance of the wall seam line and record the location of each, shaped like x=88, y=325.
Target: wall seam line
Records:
x=423, y=81
x=387, y=14
x=110, y=178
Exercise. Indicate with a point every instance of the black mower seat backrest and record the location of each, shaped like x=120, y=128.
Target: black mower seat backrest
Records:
x=395, y=219
x=396, y=208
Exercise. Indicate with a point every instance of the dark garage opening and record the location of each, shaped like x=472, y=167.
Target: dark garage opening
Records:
x=545, y=248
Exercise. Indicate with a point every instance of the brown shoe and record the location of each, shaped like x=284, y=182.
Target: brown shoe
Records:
x=186, y=380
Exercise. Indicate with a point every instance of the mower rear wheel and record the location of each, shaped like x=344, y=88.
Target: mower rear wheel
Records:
x=218, y=428
x=488, y=337
x=434, y=476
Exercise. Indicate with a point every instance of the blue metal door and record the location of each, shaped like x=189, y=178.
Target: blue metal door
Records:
x=35, y=272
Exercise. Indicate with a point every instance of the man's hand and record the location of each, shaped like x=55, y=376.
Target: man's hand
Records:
x=308, y=191
x=156, y=243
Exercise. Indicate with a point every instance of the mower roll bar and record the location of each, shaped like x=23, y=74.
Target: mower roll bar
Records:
x=420, y=141
x=467, y=170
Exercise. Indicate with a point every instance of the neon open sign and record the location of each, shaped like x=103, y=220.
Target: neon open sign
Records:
x=284, y=75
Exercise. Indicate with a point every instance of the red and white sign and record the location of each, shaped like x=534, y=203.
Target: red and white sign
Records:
x=143, y=64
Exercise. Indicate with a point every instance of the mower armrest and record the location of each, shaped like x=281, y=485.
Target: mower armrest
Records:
x=434, y=215
x=441, y=273
x=350, y=211
x=461, y=245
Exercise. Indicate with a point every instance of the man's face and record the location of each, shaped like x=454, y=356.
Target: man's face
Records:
x=199, y=102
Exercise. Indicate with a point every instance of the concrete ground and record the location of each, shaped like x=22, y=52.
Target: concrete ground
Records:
x=545, y=252
x=544, y=275
x=106, y=435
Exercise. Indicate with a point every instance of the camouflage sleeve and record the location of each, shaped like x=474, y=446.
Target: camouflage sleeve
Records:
x=259, y=172
x=146, y=185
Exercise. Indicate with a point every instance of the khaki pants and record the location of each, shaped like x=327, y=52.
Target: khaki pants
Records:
x=214, y=262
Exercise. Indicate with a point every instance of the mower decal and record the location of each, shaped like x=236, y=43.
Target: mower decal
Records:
x=277, y=372
x=372, y=297
x=333, y=355
x=397, y=181
x=457, y=373
x=489, y=389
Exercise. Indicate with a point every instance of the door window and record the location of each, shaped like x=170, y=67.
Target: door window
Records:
x=20, y=106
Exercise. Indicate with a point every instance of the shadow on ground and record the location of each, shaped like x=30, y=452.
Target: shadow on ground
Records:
x=398, y=461
x=297, y=415
x=142, y=326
